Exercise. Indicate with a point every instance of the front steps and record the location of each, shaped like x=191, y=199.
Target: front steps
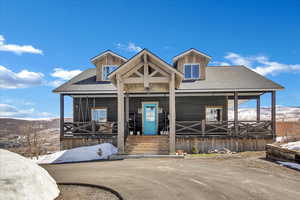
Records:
x=147, y=145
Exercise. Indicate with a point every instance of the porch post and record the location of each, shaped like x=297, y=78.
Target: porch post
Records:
x=120, y=115
x=172, y=115
x=258, y=109
x=236, y=105
x=62, y=115
x=273, y=96
x=127, y=108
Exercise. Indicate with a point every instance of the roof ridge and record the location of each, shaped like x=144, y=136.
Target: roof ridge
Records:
x=107, y=51
x=224, y=65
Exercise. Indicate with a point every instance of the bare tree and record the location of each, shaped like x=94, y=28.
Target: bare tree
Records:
x=33, y=141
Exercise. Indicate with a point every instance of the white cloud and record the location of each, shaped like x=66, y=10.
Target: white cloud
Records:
x=130, y=47
x=22, y=79
x=62, y=75
x=220, y=63
x=10, y=111
x=18, y=49
x=56, y=83
x=236, y=59
x=7, y=110
x=65, y=74
x=260, y=64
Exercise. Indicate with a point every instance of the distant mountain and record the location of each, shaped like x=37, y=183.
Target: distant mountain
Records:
x=283, y=113
x=12, y=132
x=10, y=126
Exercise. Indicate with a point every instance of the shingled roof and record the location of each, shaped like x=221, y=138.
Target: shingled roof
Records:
x=218, y=79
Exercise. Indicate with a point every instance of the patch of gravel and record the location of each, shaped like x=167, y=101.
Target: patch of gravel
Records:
x=74, y=192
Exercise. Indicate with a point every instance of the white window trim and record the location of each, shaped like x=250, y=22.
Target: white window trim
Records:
x=221, y=117
x=98, y=108
x=103, y=66
x=191, y=71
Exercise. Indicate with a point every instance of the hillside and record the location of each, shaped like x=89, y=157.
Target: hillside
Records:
x=13, y=133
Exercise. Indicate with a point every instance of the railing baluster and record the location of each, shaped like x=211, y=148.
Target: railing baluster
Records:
x=203, y=127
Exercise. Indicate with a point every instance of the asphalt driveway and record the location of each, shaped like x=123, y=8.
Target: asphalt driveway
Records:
x=235, y=177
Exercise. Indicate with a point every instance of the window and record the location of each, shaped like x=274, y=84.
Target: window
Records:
x=191, y=71
x=214, y=114
x=99, y=114
x=106, y=70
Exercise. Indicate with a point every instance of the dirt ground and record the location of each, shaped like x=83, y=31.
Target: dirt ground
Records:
x=238, y=176
x=73, y=192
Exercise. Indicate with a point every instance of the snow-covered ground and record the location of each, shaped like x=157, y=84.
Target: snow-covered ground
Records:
x=290, y=164
x=87, y=153
x=20, y=178
x=292, y=146
x=283, y=113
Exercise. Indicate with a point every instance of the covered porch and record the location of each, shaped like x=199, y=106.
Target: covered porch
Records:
x=84, y=126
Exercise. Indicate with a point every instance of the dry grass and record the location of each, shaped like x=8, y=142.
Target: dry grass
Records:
x=289, y=130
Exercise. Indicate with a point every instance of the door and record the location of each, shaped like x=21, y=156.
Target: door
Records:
x=150, y=121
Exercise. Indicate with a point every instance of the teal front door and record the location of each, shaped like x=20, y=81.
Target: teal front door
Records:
x=150, y=118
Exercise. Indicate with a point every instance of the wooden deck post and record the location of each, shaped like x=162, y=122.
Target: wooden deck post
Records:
x=236, y=113
x=62, y=115
x=203, y=127
x=126, y=115
x=127, y=108
x=146, y=72
x=120, y=115
x=273, y=96
x=258, y=109
x=172, y=115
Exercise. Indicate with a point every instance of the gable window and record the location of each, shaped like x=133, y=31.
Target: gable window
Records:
x=214, y=114
x=99, y=114
x=106, y=70
x=191, y=71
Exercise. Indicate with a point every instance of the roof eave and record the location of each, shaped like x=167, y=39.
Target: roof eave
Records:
x=106, y=52
x=188, y=51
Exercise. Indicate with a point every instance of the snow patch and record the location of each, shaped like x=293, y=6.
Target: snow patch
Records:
x=86, y=153
x=21, y=178
x=292, y=146
x=290, y=165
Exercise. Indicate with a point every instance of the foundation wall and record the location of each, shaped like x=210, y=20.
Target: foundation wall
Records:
x=186, y=143
x=68, y=143
x=205, y=144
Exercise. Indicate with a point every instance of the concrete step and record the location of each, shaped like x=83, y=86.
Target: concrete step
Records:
x=148, y=137
x=147, y=140
x=148, y=144
x=148, y=152
x=145, y=149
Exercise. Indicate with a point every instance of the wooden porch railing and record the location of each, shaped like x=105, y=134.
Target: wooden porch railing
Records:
x=222, y=128
x=89, y=128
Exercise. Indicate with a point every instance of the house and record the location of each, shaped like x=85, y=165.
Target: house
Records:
x=146, y=105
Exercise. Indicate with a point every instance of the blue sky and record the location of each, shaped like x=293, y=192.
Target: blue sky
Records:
x=61, y=36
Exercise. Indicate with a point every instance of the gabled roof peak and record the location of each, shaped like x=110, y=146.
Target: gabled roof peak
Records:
x=107, y=52
x=189, y=51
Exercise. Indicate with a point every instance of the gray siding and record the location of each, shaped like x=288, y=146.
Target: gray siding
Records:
x=193, y=108
x=82, y=108
x=187, y=108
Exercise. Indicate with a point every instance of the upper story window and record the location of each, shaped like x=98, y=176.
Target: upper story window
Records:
x=106, y=70
x=191, y=71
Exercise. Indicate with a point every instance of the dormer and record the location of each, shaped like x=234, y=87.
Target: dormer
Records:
x=192, y=63
x=106, y=63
